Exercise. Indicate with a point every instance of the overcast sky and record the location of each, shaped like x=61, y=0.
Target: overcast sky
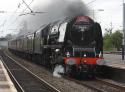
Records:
x=111, y=14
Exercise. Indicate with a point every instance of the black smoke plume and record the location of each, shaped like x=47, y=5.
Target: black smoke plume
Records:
x=54, y=10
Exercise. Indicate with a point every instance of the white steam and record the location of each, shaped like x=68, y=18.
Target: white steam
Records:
x=59, y=69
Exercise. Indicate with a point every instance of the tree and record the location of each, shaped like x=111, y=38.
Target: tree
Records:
x=107, y=41
x=112, y=40
x=116, y=39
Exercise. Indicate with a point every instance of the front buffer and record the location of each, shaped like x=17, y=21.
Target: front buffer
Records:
x=77, y=66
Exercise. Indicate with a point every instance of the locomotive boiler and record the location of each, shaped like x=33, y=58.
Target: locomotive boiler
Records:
x=75, y=43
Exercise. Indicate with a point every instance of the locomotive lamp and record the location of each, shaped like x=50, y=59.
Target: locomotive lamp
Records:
x=57, y=50
x=67, y=54
x=84, y=55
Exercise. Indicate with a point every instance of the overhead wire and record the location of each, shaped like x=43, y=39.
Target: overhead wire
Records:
x=15, y=11
x=27, y=5
x=18, y=15
x=91, y=2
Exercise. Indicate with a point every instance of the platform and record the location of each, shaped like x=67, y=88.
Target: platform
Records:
x=6, y=84
x=114, y=60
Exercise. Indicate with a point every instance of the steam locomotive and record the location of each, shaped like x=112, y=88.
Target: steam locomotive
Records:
x=76, y=44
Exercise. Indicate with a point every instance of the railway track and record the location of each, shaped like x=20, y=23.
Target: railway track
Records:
x=25, y=80
x=99, y=85
x=111, y=83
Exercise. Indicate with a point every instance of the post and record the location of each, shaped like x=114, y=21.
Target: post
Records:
x=123, y=49
x=93, y=12
x=123, y=42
